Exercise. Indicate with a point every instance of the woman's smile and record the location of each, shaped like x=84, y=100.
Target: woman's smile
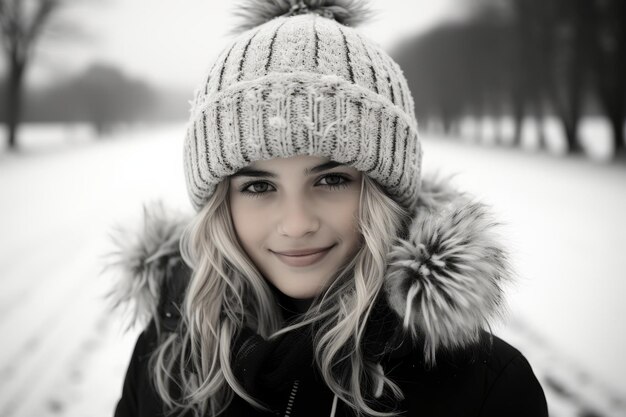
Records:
x=310, y=258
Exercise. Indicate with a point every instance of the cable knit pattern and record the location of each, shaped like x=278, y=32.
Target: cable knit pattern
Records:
x=304, y=85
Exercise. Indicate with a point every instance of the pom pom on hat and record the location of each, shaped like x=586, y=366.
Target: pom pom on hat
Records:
x=257, y=12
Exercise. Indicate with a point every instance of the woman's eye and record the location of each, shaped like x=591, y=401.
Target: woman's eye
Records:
x=255, y=188
x=335, y=181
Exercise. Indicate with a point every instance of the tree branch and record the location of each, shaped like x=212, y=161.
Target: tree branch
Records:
x=46, y=8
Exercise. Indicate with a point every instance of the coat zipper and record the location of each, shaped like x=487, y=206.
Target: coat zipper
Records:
x=292, y=397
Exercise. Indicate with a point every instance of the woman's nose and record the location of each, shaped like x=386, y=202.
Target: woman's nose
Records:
x=297, y=218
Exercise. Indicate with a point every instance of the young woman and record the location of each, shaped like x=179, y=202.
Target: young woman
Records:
x=322, y=275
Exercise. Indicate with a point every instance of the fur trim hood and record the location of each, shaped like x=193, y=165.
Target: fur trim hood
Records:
x=444, y=279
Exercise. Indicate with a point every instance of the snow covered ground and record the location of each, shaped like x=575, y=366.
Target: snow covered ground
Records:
x=64, y=354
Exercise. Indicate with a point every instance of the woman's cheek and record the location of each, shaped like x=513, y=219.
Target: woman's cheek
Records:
x=250, y=218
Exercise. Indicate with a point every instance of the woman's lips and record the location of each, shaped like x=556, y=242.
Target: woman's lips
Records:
x=303, y=260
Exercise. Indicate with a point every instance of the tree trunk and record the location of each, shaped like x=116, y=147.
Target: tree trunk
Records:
x=536, y=112
x=617, y=128
x=571, y=135
x=14, y=102
x=571, y=115
x=518, y=120
x=569, y=105
x=446, y=121
x=610, y=67
x=521, y=81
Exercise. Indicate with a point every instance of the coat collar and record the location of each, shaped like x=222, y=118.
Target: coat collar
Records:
x=444, y=278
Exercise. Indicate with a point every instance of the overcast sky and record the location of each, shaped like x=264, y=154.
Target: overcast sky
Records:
x=172, y=42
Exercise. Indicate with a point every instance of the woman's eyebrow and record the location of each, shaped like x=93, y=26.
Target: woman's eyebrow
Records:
x=249, y=172
x=322, y=167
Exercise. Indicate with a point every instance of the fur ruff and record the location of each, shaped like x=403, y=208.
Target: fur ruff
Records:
x=256, y=12
x=444, y=279
x=143, y=259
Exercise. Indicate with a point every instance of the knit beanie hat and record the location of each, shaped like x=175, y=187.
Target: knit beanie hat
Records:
x=299, y=82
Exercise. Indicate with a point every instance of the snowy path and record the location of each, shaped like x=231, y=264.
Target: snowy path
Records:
x=63, y=354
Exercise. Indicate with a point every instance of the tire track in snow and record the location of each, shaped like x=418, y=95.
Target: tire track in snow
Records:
x=69, y=301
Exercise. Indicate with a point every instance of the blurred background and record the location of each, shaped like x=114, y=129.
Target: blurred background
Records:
x=523, y=101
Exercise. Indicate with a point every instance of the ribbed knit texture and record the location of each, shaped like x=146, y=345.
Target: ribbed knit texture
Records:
x=303, y=85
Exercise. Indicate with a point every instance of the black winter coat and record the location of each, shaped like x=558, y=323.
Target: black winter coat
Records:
x=449, y=253
x=499, y=383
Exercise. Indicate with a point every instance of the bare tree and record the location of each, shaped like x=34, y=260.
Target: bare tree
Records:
x=21, y=25
x=610, y=67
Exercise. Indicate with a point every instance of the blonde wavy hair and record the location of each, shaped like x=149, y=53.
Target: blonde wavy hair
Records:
x=226, y=290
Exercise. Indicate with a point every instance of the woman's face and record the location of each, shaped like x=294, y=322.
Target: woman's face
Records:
x=284, y=209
